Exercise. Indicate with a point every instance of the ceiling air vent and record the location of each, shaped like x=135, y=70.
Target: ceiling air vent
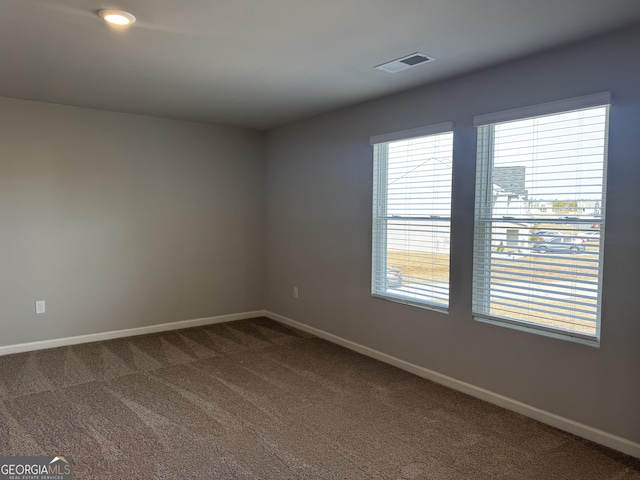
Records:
x=404, y=63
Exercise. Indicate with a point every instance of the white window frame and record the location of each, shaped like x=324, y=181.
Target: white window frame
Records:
x=380, y=216
x=482, y=237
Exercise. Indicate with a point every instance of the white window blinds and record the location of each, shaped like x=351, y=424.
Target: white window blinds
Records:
x=411, y=216
x=540, y=217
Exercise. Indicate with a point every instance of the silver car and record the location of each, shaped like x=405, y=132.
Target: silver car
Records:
x=563, y=243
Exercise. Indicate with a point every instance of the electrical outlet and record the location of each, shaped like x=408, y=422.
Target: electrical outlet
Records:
x=295, y=292
x=40, y=306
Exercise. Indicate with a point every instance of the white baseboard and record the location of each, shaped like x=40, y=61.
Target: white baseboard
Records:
x=598, y=436
x=129, y=332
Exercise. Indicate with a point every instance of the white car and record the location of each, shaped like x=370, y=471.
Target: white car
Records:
x=592, y=235
x=546, y=233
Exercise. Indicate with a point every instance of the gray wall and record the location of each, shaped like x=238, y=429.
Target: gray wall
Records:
x=121, y=221
x=319, y=176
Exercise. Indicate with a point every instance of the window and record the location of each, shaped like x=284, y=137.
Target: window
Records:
x=538, y=268
x=411, y=216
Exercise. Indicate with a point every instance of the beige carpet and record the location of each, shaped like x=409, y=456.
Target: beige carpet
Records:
x=257, y=400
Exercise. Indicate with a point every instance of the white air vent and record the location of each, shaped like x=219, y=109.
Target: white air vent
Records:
x=404, y=63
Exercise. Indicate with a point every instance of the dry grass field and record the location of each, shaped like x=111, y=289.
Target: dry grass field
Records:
x=562, y=272
x=434, y=266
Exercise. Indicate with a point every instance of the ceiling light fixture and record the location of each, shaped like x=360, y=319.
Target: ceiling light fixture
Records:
x=117, y=17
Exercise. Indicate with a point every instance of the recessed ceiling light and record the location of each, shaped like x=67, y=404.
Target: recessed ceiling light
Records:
x=117, y=17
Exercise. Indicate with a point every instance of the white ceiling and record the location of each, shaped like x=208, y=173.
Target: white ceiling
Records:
x=264, y=63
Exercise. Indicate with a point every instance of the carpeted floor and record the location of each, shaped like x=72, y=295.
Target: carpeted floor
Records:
x=258, y=400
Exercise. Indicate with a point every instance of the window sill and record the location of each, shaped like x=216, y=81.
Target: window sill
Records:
x=565, y=335
x=412, y=302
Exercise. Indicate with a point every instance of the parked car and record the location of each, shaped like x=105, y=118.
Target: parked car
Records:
x=592, y=235
x=394, y=277
x=564, y=243
x=546, y=233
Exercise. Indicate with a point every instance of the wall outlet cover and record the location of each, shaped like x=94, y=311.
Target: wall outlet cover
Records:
x=40, y=306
